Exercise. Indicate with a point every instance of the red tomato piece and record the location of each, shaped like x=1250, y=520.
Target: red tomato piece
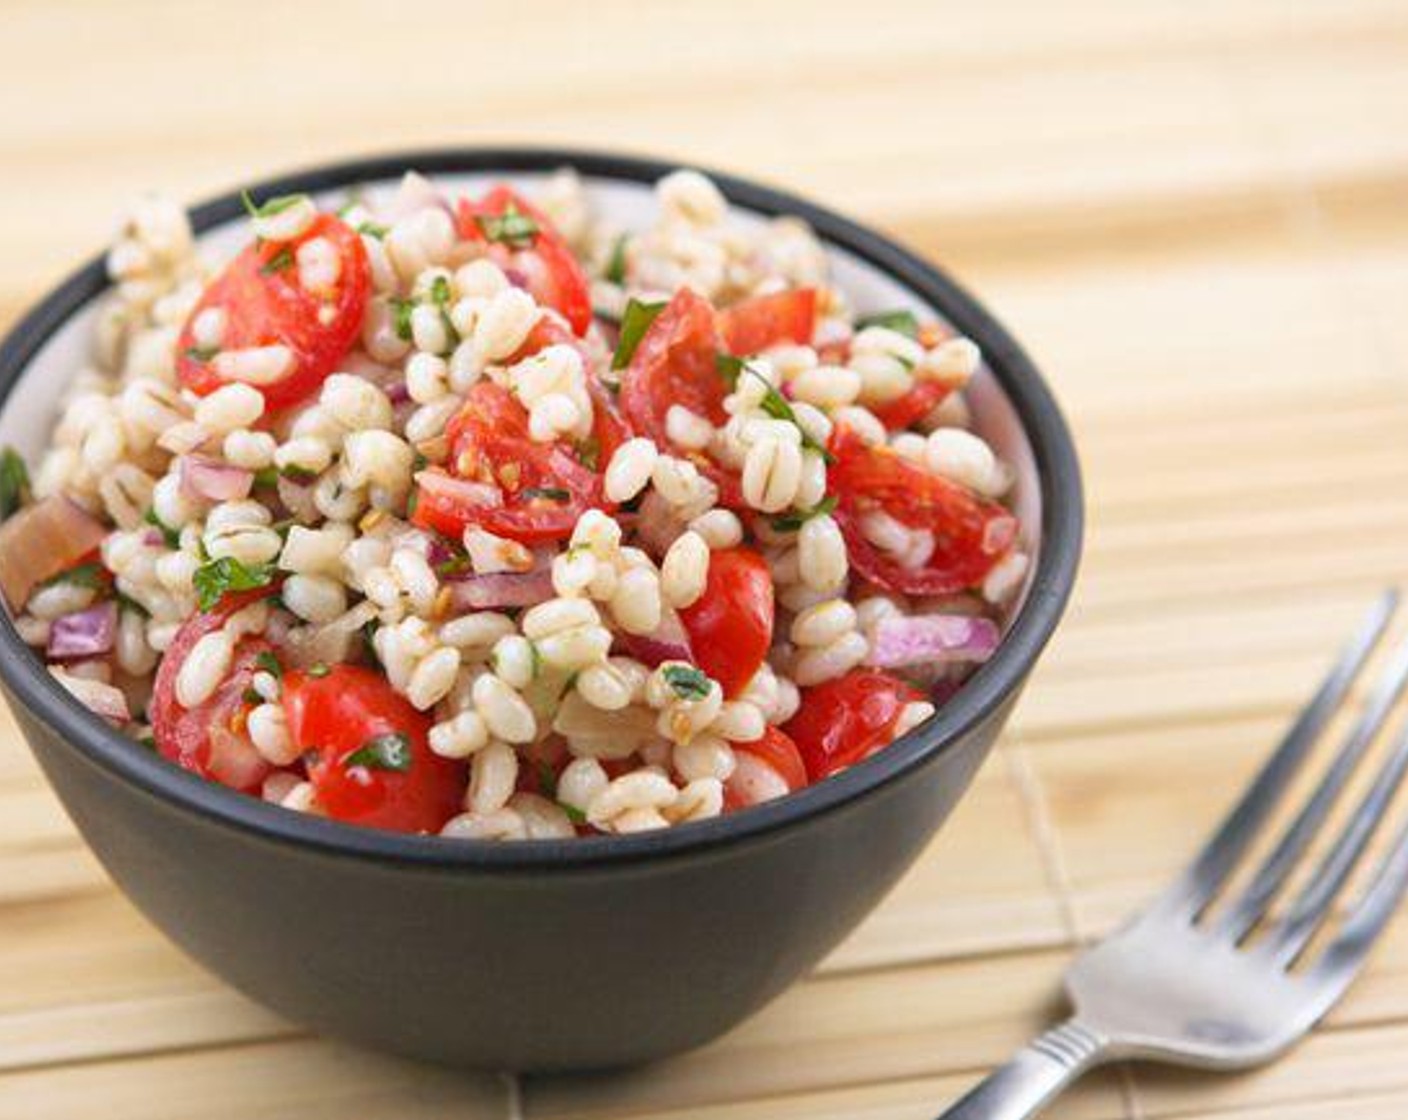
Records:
x=675, y=363
x=544, y=259
x=264, y=304
x=765, y=768
x=730, y=625
x=370, y=761
x=517, y=488
x=752, y=325
x=210, y=739
x=922, y=398
x=843, y=720
x=971, y=533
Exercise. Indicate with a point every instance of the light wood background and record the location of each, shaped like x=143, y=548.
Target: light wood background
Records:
x=1196, y=216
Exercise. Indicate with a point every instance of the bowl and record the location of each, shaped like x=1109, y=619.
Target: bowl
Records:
x=546, y=954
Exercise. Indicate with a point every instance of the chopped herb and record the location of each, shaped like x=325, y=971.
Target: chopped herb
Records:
x=538, y=661
x=440, y=291
x=294, y=473
x=456, y=565
x=401, y=309
x=512, y=228
x=634, y=323
x=127, y=603
x=589, y=453
x=903, y=322
x=201, y=353
x=616, y=266
x=266, y=476
x=550, y=493
x=729, y=368
x=791, y=522
x=271, y=206
x=777, y=406
x=390, y=750
x=91, y=575
x=371, y=229
x=368, y=631
x=270, y=664
x=547, y=780
x=687, y=682
x=171, y=536
x=319, y=669
x=574, y=814
x=279, y=262
x=251, y=696
x=14, y=482
x=213, y=580
x=148, y=741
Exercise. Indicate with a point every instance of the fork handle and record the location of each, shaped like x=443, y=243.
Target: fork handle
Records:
x=1034, y=1075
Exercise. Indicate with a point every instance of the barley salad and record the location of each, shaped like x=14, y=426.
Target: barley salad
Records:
x=480, y=515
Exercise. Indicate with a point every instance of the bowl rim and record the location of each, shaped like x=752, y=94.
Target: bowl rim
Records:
x=1058, y=472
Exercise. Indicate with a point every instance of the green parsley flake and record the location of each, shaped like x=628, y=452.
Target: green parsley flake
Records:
x=270, y=207
x=201, y=353
x=372, y=229
x=269, y=663
x=687, y=682
x=777, y=406
x=401, y=310
x=512, y=228
x=728, y=368
x=903, y=322
x=279, y=262
x=14, y=482
x=574, y=814
x=216, y=578
x=616, y=266
x=390, y=750
x=319, y=670
x=170, y=536
x=91, y=575
x=634, y=323
x=791, y=522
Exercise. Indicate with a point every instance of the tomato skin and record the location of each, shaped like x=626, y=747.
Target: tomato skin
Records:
x=490, y=445
x=675, y=363
x=843, y=720
x=778, y=753
x=264, y=304
x=209, y=739
x=922, y=398
x=334, y=715
x=730, y=625
x=752, y=325
x=971, y=533
x=550, y=267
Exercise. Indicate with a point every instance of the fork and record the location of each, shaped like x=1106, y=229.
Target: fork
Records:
x=1186, y=984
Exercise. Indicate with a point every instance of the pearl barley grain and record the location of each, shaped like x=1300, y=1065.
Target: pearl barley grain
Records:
x=685, y=570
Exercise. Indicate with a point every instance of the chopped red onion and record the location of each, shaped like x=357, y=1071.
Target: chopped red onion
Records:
x=85, y=633
x=397, y=393
x=926, y=639
x=501, y=589
x=202, y=477
x=472, y=494
x=43, y=540
x=667, y=642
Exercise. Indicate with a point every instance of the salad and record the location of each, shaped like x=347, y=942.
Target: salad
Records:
x=481, y=517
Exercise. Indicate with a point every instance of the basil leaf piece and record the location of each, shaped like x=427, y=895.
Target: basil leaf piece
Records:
x=791, y=522
x=634, y=323
x=319, y=670
x=903, y=322
x=729, y=368
x=217, y=578
x=270, y=664
x=779, y=408
x=391, y=750
x=14, y=482
x=372, y=229
x=687, y=682
x=512, y=228
x=90, y=575
x=574, y=814
x=201, y=353
x=401, y=310
x=279, y=262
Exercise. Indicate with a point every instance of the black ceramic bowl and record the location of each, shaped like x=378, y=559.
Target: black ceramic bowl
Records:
x=549, y=954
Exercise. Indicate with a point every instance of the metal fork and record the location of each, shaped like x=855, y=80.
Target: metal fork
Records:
x=1186, y=984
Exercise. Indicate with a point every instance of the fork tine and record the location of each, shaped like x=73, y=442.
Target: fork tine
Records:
x=1194, y=889
x=1341, y=959
x=1288, y=937
x=1248, y=909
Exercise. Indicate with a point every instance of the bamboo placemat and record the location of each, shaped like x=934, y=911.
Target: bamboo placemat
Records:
x=1193, y=216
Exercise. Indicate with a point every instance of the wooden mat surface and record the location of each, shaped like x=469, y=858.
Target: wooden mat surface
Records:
x=1196, y=217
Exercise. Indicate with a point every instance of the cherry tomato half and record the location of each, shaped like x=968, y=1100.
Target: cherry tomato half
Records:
x=764, y=769
x=921, y=399
x=517, y=488
x=370, y=761
x=675, y=363
x=265, y=304
x=752, y=325
x=843, y=720
x=540, y=255
x=210, y=739
x=730, y=625
x=971, y=533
